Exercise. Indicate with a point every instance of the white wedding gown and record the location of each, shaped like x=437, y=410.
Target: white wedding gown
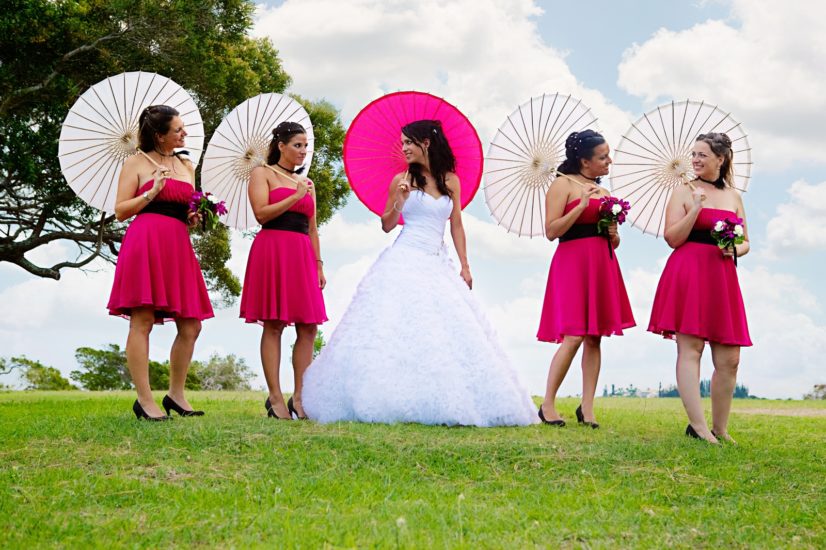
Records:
x=414, y=345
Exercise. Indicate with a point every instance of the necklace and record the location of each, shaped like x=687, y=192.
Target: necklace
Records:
x=719, y=183
x=286, y=169
x=595, y=180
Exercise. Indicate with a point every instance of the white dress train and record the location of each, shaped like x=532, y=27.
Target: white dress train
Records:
x=414, y=345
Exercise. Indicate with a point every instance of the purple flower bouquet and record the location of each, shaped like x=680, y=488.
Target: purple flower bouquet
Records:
x=209, y=207
x=611, y=210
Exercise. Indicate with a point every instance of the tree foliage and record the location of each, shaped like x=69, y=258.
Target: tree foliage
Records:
x=102, y=369
x=51, y=51
x=818, y=392
x=318, y=343
x=740, y=391
x=106, y=369
x=228, y=373
x=36, y=375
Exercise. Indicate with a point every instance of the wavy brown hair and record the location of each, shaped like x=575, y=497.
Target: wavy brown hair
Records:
x=439, y=154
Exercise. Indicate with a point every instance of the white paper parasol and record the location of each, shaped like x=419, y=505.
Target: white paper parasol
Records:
x=240, y=143
x=523, y=156
x=654, y=156
x=101, y=130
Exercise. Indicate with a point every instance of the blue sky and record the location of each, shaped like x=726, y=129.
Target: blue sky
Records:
x=486, y=57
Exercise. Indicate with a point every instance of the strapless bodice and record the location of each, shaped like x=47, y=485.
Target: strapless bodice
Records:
x=424, y=221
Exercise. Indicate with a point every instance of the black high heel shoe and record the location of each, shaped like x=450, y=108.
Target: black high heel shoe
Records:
x=293, y=410
x=560, y=423
x=140, y=414
x=169, y=404
x=271, y=411
x=581, y=419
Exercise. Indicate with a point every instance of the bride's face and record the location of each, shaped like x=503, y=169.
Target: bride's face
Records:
x=413, y=152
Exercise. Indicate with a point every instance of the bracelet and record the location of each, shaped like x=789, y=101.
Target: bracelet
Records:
x=394, y=207
x=320, y=261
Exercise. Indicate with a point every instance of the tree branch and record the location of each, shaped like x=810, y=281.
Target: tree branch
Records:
x=15, y=96
x=7, y=367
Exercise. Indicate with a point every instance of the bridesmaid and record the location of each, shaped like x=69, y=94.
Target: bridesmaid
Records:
x=285, y=275
x=157, y=277
x=585, y=297
x=698, y=298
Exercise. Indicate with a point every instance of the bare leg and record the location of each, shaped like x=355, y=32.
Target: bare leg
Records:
x=180, y=358
x=302, y=357
x=591, y=358
x=271, y=361
x=137, y=357
x=726, y=360
x=556, y=374
x=689, y=353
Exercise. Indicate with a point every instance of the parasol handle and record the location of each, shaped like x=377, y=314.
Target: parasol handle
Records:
x=685, y=181
x=150, y=159
x=292, y=179
x=568, y=176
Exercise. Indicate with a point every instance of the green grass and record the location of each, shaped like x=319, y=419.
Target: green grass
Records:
x=77, y=470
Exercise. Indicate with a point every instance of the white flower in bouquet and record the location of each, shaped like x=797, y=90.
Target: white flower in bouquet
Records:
x=719, y=226
x=213, y=199
x=738, y=230
x=616, y=209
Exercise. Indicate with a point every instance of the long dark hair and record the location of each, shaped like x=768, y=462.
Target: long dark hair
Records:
x=283, y=133
x=155, y=119
x=720, y=145
x=439, y=154
x=578, y=146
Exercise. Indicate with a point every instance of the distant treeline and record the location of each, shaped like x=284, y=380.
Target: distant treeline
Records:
x=105, y=369
x=740, y=391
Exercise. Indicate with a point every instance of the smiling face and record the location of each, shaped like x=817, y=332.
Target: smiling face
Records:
x=704, y=162
x=414, y=153
x=174, y=138
x=294, y=152
x=599, y=163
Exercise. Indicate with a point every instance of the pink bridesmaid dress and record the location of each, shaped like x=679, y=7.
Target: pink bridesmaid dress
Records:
x=585, y=294
x=157, y=266
x=281, y=282
x=699, y=293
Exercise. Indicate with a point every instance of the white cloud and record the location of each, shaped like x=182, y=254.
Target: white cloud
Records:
x=341, y=234
x=767, y=72
x=484, y=56
x=789, y=340
x=490, y=241
x=797, y=226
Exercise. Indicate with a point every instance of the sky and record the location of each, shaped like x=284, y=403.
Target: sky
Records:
x=757, y=59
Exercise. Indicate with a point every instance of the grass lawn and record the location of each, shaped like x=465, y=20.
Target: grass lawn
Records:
x=77, y=470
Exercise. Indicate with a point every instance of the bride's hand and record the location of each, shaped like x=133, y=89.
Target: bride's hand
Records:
x=403, y=190
x=466, y=277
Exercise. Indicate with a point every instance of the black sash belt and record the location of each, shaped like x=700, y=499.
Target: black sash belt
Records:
x=583, y=231
x=177, y=210
x=704, y=237
x=290, y=221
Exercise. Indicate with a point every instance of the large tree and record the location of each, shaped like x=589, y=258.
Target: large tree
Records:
x=51, y=51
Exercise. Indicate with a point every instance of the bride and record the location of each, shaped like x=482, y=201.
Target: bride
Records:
x=414, y=346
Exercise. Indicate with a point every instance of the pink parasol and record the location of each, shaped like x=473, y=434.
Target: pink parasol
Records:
x=373, y=152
